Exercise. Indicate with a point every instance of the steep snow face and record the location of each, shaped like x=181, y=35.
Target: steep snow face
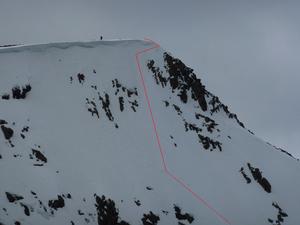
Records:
x=88, y=137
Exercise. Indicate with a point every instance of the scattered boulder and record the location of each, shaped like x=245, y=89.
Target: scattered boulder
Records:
x=131, y=92
x=26, y=209
x=81, y=78
x=257, y=176
x=2, y=122
x=137, y=202
x=166, y=103
x=150, y=219
x=209, y=123
x=107, y=212
x=80, y=212
x=25, y=129
x=248, y=180
x=128, y=94
x=57, y=203
x=13, y=197
x=105, y=105
x=265, y=184
x=20, y=92
x=181, y=216
x=121, y=102
x=209, y=143
x=177, y=109
x=8, y=132
x=92, y=108
x=5, y=97
x=280, y=215
x=40, y=156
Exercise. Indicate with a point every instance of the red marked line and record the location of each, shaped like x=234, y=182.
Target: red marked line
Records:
x=162, y=154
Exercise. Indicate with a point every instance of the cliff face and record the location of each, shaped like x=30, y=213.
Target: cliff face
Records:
x=94, y=133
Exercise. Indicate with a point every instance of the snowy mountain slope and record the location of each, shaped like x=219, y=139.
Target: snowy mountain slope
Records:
x=77, y=144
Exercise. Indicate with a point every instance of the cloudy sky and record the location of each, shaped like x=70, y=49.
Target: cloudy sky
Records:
x=246, y=52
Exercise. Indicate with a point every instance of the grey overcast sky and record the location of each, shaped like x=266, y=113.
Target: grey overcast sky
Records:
x=246, y=52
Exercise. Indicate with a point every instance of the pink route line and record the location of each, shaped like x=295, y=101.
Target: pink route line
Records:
x=162, y=154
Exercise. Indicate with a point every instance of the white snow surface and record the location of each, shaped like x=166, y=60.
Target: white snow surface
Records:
x=120, y=159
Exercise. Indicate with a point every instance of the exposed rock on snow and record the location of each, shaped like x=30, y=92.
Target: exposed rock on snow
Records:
x=156, y=148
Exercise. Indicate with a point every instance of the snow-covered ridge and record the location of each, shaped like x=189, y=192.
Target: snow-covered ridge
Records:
x=66, y=45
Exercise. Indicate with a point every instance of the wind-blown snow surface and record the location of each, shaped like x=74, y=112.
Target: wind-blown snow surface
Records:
x=77, y=144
